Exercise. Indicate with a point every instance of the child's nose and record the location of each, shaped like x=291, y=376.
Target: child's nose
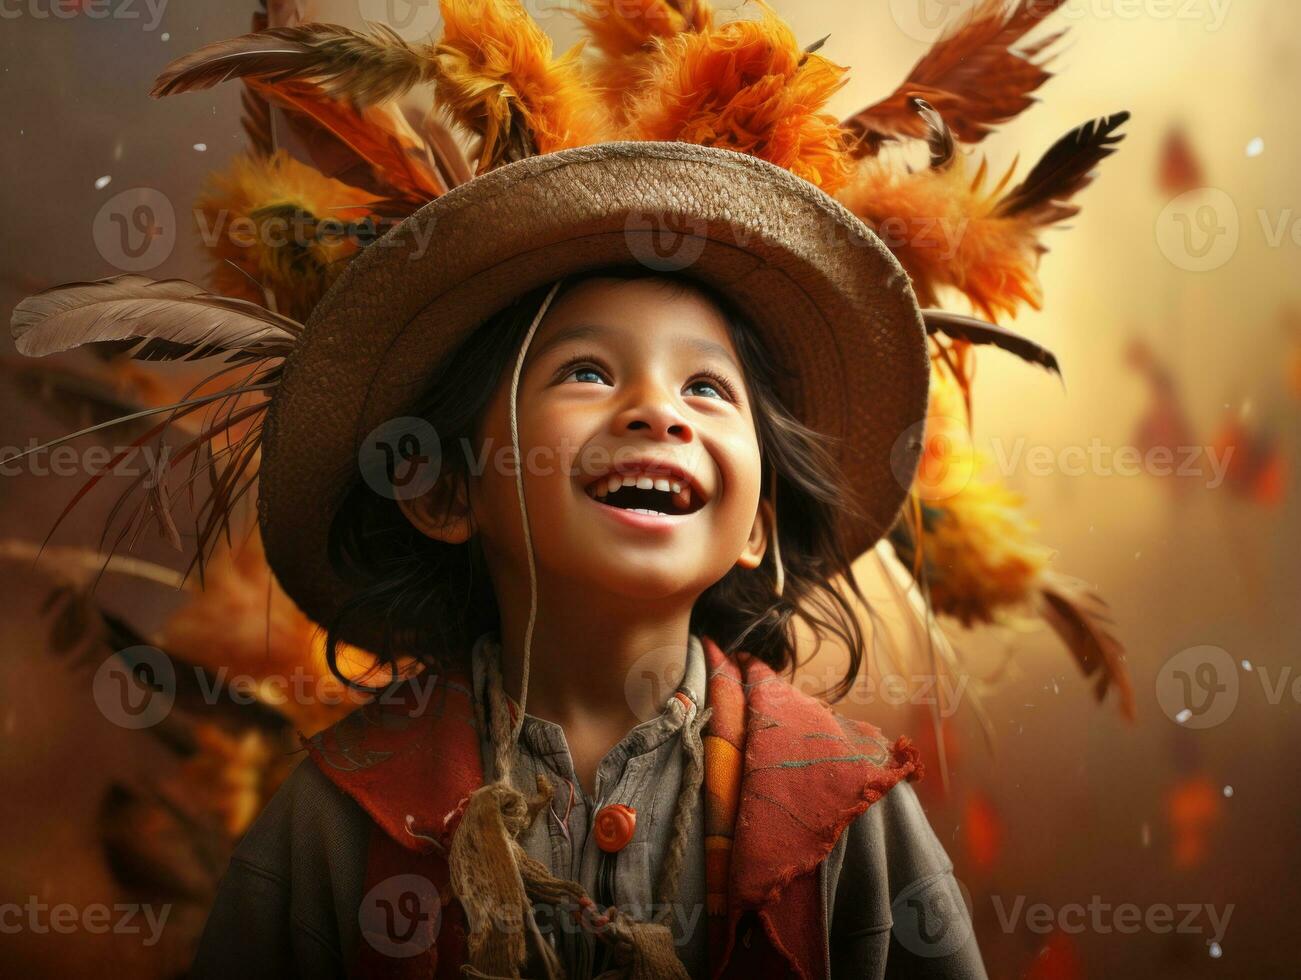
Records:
x=652, y=413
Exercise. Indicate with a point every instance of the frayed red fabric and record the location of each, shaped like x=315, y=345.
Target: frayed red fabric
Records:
x=785, y=775
x=807, y=774
x=906, y=754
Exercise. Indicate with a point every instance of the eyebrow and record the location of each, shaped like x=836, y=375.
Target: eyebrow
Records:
x=587, y=331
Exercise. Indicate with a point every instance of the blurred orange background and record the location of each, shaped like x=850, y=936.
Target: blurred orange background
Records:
x=1067, y=804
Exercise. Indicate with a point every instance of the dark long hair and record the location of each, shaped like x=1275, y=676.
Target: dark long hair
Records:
x=433, y=599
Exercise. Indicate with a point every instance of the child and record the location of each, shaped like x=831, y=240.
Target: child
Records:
x=579, y=442
x=632, y=374
x=702, y=459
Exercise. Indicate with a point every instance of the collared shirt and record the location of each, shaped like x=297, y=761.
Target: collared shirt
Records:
x=292, y=902
x=643, y=771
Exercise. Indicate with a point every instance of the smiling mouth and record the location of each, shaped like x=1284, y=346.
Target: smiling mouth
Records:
x=656, y=496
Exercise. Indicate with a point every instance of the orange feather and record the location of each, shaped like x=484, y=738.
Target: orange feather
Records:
x=267, y=217
x=373, y=147
x=497, y=77
x=624, y=33
x=746, y=86
x=944, y=227
x=949, y=231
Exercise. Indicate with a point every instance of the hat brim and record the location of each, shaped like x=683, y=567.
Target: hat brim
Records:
x=828, y=299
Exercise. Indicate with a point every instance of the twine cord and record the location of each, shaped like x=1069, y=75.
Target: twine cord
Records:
x=523, y=509
x=488, y=864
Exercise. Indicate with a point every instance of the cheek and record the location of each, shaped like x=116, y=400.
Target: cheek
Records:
x=738, y=458
x=548, y=444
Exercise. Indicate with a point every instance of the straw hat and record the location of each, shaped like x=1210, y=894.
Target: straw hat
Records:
x=829, y=300
x=574, y=163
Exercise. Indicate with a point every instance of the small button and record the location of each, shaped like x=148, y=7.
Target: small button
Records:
x=614, y=827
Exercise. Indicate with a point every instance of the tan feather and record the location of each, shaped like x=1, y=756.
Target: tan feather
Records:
x=167, y=319
x=360, y=68
x=939, y=137
x=449, y=156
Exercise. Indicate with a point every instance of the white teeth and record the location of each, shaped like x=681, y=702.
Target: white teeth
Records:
x=643, y=510
x=609, y=484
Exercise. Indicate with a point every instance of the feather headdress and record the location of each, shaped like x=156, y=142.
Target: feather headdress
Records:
x=329, y=138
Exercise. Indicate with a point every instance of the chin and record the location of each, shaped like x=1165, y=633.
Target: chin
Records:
x=648, y=581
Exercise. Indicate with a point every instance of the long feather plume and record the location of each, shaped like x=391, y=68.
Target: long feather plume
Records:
x=972, y=331
x=346, y=64
x=497, y=77
x=257, y=118
x=167, y=319
x=1065, y=170
x=437, y=129
x=373, y=148
x=746, y=86
x=1080, y=617
x=975, y=75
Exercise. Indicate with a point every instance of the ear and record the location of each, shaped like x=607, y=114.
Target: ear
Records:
x=442, y=512
x=757, y=546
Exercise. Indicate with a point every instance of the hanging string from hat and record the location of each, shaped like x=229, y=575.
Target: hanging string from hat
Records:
x=490, y=869
x=523, y=507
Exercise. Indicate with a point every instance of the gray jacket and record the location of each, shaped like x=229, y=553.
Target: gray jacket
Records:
x=288, y=905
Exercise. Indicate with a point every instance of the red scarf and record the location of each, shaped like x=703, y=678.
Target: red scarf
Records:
x=784, y=776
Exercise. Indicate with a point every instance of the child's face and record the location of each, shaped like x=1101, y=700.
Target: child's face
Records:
x=626, y=380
